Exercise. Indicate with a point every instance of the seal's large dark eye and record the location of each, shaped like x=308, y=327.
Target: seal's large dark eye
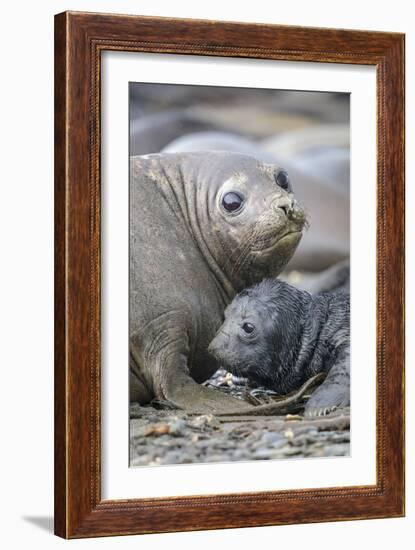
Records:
x=248, y=328
x=232, y=201
x=282, y=179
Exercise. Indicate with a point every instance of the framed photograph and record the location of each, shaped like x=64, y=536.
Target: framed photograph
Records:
x=229, y=275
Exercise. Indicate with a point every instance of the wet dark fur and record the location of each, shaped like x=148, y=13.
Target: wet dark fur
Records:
x=296, y=336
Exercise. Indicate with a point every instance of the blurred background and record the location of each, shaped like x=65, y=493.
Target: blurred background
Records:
x=306, y=133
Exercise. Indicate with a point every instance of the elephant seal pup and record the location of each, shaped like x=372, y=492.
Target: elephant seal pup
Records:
x=279, y=337
x=203, y=226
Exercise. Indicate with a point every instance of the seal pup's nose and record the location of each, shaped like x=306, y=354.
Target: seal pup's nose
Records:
x=220, y=341
x=212, y=347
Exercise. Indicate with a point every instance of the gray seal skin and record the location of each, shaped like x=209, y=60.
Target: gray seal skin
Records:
x=279, y=337
x=203, y=226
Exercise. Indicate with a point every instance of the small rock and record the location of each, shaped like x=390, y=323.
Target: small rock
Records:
x=292, y=417
x=177, y=427
x=156, y=429
x=292, y=451
x=205, y=420
x=289, y=434
x=342, y=437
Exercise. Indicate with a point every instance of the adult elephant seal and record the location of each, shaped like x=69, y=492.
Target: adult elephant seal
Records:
x=203, y=226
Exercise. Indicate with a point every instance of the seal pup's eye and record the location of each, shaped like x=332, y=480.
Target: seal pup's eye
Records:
x=248, y=328
x=232, y=201
x=282, y=179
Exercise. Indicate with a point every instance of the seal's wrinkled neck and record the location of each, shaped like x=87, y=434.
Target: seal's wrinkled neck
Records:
x=188, y=192
x=202, y=176
x=201, y=189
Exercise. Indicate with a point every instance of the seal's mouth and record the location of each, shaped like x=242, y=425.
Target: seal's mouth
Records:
x=277, y=242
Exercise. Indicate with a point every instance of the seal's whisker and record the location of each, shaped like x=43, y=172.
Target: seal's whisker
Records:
x=243, y=257
x=243, y=250
x=257, y=234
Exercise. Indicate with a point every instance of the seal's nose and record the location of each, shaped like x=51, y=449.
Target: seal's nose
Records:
x=218, y=344
x=283, y=203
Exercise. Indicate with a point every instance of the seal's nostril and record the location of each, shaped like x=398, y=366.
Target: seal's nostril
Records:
x=285, y=204
x=284, y=207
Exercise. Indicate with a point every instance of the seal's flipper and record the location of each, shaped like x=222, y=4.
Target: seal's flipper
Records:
x=138, y=391
x=284, y=405
x=334, y=392
x=164, y=362
x=200, y=399
x=187, y=394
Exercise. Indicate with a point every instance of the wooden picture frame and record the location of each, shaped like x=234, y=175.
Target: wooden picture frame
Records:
x=79, y=40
